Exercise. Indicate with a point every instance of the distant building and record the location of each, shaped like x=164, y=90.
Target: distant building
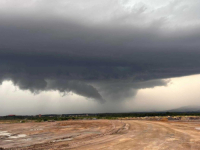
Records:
x=40, y=115
x=11, y=115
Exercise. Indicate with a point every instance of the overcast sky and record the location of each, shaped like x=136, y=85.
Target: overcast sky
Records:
x=68, y=56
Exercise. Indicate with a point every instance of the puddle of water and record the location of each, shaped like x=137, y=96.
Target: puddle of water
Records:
x=18, y=136
x=4, y=133
x=197, y=128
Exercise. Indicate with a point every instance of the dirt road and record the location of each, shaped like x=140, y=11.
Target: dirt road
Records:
x=105, y=135
x=152, y=135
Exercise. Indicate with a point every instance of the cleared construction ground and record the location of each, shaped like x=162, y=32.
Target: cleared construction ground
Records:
x=101, y=134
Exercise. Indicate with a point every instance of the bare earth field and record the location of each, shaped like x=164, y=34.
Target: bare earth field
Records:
x=101, y=134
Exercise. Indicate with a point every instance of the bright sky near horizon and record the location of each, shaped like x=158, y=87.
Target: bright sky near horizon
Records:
x=181, y=91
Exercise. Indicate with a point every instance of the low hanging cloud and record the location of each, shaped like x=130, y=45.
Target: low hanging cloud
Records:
x=121, y=90
x=104, y=50
x=38, y=84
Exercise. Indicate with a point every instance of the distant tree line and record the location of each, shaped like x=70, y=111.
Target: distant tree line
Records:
x=97, y=116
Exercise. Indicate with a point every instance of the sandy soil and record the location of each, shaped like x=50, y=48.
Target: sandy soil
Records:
x=101, y=134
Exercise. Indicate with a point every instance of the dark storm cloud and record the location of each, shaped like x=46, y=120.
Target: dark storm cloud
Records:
x=94, y=49
x=120, y=90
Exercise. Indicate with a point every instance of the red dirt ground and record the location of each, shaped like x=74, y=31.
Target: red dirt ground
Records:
x=101, y=134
